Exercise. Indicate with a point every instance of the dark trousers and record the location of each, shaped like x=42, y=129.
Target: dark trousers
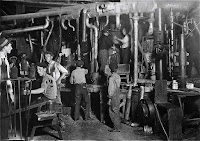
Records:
x=103, y=58
x=4, y=111
x=81, y=93
x=125, y=54
x=114, y=111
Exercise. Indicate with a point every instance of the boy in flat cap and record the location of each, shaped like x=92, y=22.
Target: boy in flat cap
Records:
x=78, y=78
x=113, y=95
x=56, y=70
x=6, y=86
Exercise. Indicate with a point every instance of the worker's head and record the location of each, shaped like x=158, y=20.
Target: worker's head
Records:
x=125, y=30
x=79, y=63
x=113, y=66
x=48, y=56
x=41, y=68
x=5, y=45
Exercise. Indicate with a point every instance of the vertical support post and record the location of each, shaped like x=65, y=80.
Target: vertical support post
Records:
x=84, y=25
x=28, y=111
x=131, y=23
x=15, y=130
x=135, y=18
x=78, y=40
x=0, y=111
x=182, y=63
x=20, y=116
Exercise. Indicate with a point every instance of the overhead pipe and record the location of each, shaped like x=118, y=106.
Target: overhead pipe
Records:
x=73, y=29
x=95, y=42
x=78, y=39
x=63, y=24
x=151, y=21
x=97, y=21
x=28, y=29
x=50, y=32
x=160, y=42
x=93, y=9
x=182, y=62
x=84, y=25
x=135, y=77
x=131, y=31
x=107, y=20
x=159, y=19
x=109, y=8
x=45, y=44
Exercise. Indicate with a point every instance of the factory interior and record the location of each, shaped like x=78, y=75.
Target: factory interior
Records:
x=160, y=83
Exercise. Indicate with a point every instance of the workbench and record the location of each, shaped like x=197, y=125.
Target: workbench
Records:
x=180, y=94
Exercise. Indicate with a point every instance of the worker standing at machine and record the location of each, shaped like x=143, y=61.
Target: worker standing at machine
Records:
x=105, y=42
x=125, y=48
x=78, y=79
x=48, y=86
x=6, y=86
x=114, y=100
x=56, y=70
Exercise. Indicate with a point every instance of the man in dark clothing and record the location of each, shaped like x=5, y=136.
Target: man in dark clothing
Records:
x=6, y=90
x=105, y=42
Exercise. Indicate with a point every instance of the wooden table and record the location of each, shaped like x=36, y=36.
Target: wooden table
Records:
x=180, y=94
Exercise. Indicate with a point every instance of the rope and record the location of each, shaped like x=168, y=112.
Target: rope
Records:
x=158, y=115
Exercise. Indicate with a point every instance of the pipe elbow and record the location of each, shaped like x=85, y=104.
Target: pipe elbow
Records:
x=73, y=29
x=63, y=24
x=107, y=21
x=46, y=23
x=91, y=26
x=84, y=11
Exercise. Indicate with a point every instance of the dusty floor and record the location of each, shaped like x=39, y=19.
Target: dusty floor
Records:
x=95, y=130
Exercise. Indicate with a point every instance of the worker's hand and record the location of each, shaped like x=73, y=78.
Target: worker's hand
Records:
x=114, y=37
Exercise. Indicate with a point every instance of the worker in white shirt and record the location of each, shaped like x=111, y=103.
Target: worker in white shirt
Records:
x=125, y=48
x=56, y=70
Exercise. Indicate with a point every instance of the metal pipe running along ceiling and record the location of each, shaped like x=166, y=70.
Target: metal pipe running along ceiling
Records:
x=107, y=8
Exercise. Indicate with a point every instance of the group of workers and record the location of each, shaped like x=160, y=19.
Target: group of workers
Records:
x=53, y=72
x=113, y=49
